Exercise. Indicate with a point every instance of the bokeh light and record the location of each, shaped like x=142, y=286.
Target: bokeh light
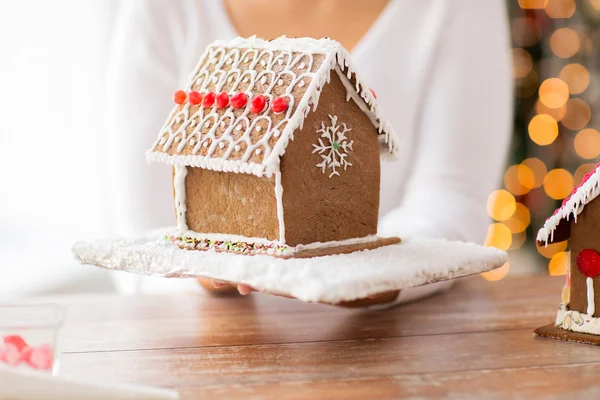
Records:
x=533, y=4
x=576, y=76
x=582, y=170
x=556, y=113
x=558, y=263
x=551, y=249
x=564, y=42
x=519, y=179
x=587, y=143
x=558, y=183
x=560, y=8
x=520, y=219
x=498, y=236
x=522, y=62
x=595, y=4
x=501, y=205
x=525, y=31
x=578, y=114
x=496, y=274
x=539, y=170
x=543, y=129
x=554, y=93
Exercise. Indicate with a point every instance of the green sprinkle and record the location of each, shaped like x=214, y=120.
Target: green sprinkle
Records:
x=336, y=145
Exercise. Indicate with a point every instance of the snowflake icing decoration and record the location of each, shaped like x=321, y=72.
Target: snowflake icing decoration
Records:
x=335, y=149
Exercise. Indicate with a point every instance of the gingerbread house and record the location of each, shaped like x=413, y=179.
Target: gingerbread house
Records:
x=275, y=147
x=577, y=220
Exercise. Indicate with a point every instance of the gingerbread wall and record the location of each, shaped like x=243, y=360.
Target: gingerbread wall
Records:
x=318, y=208
x=585, y=234
x=226, y=202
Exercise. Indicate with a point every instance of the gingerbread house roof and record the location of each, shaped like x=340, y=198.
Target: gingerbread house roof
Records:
x=571, y=207
x=246, y=98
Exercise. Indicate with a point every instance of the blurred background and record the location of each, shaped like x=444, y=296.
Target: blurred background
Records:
x=54, y=190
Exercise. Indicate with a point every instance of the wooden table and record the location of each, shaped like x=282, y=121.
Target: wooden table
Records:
x=475, y=341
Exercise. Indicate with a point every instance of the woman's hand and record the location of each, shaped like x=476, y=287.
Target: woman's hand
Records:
x=376, y=299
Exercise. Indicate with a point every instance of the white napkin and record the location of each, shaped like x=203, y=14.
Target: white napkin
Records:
x=27, y=384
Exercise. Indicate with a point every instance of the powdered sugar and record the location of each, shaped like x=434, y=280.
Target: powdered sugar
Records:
x=328, y=279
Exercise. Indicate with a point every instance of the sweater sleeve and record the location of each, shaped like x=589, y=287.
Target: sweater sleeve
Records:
x=143, y=73
x=463, y=129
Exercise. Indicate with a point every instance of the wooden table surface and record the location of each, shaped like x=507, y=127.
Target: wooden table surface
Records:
x=474, y=341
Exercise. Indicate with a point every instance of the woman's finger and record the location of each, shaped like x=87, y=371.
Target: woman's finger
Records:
x=244, y=289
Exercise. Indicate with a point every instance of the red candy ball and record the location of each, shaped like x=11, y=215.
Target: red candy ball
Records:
x=16, y=341
x=222, y=100
x=588, y=263
x=179, y=97
x=258, y=104
x=373, y=92
x=279, y=105
x=239, y=100
x=195, y=98
x=209, y=99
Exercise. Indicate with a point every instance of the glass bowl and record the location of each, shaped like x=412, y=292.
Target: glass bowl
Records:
x=29, y=336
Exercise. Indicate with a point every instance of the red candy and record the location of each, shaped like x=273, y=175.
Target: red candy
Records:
x=258, y=104
x=41, y=357
x=239, y=100
x=588, y=263
x=373, y=92
x=12, y=355
x=16, y=341
x=179, y=97
x=222, y=100
x=209, y=99
x=279, y=105
x=195, y=98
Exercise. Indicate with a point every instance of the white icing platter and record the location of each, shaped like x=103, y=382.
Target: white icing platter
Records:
x=329, y=279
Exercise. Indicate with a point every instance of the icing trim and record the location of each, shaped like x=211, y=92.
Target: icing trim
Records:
x=179, y=188
x=577, y=322
x=572, y=206
x=279, y=200
x=591, y=308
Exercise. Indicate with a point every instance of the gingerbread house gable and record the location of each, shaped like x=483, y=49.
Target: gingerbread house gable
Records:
x=247, y=97
x=558, y=227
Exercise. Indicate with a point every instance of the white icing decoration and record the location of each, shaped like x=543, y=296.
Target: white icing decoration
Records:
x=221, y=145
x=193, y=123
x=205, y=144
x=179, y=188
x=587, y=192
x=263, y=80
x=178, y=120
x=591, y=307
x=222, y=124
x=238, y=128
x=287, y=53
x=280, y=82
x=577, y=322
x=258, y=151
x=230, y=79
x=237, y=147
x=334, y=150
x=276, y=133
x=263, y=63
x=162, y=140
x=258, y=128
x=279, y=200
x=178, y=139
x=192, y=142
x=301, y=66
x=213, y=61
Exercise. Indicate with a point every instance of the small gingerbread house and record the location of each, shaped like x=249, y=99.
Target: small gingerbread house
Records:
x=275, y=145
x=578, y=219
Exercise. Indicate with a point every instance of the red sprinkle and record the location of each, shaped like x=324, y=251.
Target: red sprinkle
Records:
x=16, y=341
x=373, y=92
x=179, y=97
x=588, y=263
x=258, y=104
x=239, y=100
x=222, y=100
x=209, y=99
x=195, y=98
x=279, y=105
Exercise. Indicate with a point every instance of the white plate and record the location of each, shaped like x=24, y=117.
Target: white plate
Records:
x=329, y=279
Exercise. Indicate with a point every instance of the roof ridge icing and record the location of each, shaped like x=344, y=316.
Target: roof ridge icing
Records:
x=572, y=206
x=336, y=58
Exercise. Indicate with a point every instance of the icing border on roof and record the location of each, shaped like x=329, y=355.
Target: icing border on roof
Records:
x=572, y=206
x=335, y=55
